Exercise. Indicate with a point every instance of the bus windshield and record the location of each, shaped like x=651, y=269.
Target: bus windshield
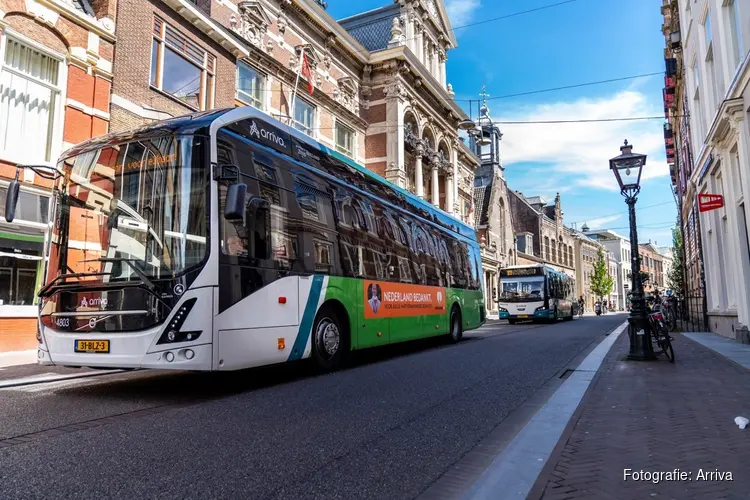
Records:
x=129, y=211
x=522, y=289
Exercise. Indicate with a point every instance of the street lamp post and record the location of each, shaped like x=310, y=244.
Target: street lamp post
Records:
x=627, y=169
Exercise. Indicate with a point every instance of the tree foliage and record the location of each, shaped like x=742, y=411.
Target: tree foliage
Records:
x=675, y=278
x=601, y=282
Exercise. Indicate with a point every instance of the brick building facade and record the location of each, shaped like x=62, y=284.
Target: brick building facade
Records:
x=541, y=236
x=56, y=76
x=652, y=263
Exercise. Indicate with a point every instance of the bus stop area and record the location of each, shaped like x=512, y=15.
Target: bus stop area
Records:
x=656, y=429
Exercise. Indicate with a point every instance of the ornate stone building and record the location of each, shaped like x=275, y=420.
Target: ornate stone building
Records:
x=412, y=138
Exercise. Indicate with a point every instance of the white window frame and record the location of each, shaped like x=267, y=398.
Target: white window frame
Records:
x=263, y=77
x=36, y=191
x=735, y=31
x=339, y=123
x=207, y=101
x=58, y=118
x=301, y=126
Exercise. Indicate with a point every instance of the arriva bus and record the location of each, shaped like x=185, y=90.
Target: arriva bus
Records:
x=536, y=292
x=226, y=240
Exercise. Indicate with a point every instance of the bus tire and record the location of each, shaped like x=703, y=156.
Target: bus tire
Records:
x=511, y=321
x=456, y=331
x=329, y=339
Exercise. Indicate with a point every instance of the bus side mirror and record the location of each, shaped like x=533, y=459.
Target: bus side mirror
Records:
x=257, y=203
x=234, y=206
x=11, y=200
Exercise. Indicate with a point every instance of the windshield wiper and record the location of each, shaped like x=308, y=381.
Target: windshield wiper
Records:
x=44, y=291
x=150, y=284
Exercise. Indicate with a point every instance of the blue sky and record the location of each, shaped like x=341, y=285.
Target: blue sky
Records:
x=577, y=42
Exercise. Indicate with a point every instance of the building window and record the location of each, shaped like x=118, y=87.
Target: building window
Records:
x=29, y=102
x=181, y=68
x=736, y=30
x=304, y=116
x=344, y=139
x=250, y=85
x=32, y=207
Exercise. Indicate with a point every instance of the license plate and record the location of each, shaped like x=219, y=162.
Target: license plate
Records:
x=101, y=346
x=523, y=315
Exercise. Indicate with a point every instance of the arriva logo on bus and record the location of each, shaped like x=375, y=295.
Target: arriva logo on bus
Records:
x=265, y=134
x=94, y=302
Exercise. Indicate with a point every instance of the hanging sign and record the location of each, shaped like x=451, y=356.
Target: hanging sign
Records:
x=707, y=202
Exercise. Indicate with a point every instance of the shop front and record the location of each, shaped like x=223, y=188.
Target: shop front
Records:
x=21, y=268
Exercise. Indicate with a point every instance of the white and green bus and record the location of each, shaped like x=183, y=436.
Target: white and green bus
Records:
x=226, y=240
x=537, y=293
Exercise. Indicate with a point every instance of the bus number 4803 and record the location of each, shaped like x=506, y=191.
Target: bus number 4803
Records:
x=62, y=322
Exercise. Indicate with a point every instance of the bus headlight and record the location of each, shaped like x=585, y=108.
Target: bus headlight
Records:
x=173, y=333
x=502, y=309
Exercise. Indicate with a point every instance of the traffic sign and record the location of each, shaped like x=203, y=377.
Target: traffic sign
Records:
x=708, y=202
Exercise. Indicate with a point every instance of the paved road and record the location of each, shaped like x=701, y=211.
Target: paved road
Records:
x=387, y=427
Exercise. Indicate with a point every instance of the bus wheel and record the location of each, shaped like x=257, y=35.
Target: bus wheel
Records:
x=329, y=339
x=456, y=332
x=511, y=321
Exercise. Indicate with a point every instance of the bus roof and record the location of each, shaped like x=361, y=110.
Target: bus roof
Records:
x=195, y=122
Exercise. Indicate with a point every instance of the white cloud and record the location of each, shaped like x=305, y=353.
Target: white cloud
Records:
x=577, y=153
x=601, y=222
x=460, y=12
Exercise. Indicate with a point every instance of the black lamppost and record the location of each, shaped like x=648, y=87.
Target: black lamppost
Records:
x=627, y=168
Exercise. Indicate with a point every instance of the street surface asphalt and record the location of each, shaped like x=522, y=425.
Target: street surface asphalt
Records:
x=387, y=427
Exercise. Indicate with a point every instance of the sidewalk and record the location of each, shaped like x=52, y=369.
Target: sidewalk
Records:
x=658, y=417
x=23, y=364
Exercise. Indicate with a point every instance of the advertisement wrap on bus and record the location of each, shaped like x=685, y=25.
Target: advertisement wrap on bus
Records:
x=226, y=240
x=536, y=293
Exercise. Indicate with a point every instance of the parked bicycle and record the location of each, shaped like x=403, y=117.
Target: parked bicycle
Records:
x=660, y=337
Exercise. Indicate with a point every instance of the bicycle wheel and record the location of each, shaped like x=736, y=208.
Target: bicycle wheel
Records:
x=666, y=347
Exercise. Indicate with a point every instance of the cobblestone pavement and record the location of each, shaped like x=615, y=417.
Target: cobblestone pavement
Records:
x=656, y=417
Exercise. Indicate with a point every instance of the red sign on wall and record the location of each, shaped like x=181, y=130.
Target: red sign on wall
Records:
x=708, y=202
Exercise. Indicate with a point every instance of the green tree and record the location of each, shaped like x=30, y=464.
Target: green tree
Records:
x=601, y=282
x=675, y=278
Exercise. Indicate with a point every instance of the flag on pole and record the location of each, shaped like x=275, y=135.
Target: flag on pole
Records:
x=307, y=74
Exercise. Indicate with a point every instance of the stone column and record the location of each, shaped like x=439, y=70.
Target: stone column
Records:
x=435, y=186
x=418, y=180
x=395, y=171
x=449, y=192
x=443, y=59
x=419, y=43
x=454, y=162
x=741, y=188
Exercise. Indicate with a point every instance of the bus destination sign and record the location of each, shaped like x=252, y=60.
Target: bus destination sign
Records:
x=522, y=271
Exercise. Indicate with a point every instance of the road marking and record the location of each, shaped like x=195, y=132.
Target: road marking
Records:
x=514, y=471
x=51, y=377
